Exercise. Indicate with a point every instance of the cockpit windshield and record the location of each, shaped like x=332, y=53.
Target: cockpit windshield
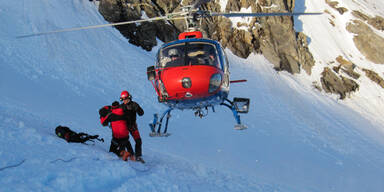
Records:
x=189, y=53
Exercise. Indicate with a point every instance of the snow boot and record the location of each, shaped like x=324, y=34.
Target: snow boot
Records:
x=124, y=155
x=132, y=158
x=140, y=159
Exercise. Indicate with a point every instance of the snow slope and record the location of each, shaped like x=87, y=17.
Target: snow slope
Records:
x=297, y=140
x=328, y=42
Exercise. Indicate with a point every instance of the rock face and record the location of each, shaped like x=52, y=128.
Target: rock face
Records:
x=376, y=22
x=374, y=77
x=274, y=37
x=143, y=34
x=367, y=41
x=333, y=83
x=346, y=67
x=334, y=4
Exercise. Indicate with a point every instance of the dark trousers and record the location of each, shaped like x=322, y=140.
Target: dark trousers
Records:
x=138, y=147
x=136, y=136
x=118, y=145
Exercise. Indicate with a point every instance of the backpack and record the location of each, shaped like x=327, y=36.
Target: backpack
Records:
x=104, y=113
x=71, y=136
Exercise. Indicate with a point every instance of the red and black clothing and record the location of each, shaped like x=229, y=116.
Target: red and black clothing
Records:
x=114, y=115
x=122, y=119
x=131, y=109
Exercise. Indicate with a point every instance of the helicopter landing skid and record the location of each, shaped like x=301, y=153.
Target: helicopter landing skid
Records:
x=240, y=127
x=155, y=134
x=234, y=107
x=157, y=124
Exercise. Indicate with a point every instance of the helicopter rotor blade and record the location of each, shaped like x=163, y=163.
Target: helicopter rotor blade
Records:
x=166, y=17
x=258, y=14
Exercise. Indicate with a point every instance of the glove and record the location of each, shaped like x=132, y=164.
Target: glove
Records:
x=103, y=112
x=135, y=106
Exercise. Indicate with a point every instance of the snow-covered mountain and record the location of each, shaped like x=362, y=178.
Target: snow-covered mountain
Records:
x=298, y=139
x=334, y=47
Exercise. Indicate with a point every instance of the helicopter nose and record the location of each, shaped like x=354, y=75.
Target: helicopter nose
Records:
x=186, y=82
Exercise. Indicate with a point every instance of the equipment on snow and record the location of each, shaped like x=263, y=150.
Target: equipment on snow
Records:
x=73, y=137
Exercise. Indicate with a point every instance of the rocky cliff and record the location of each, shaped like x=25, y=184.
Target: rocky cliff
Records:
x=143, y=34
x=274, y=37
x=344, y=78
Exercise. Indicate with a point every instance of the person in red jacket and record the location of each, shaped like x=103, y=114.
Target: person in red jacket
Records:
x=115, y=116
x=130, y=109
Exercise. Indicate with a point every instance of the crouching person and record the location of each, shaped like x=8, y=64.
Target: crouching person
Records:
x=115, y=117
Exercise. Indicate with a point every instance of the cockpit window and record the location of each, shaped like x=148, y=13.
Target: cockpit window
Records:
x=190, y=53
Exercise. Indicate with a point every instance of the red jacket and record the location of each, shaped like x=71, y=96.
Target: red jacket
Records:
x=118, y=122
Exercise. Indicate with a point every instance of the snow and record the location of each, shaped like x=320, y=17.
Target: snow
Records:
x=223, y=5
x=328, y=42
x=242, y=20
x=298, y=139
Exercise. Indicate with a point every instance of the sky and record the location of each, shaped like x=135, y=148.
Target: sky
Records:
x=297, y=139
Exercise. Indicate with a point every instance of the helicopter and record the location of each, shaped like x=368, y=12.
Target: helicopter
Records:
x=192, y=72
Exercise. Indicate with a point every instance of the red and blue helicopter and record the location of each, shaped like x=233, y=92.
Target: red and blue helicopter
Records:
x=191, y=72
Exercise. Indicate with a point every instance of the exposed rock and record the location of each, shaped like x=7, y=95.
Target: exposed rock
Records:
x=241, y=43
x=223, y=32
x=331, y=83
x=272, y=36
x=233, y=5
x=341, y=10
x=374, y=77
x=332, y=22
x=349, y=85
x=334, y=4
x=360, y=15
x=351, y=73
x=344, y=62
x=316, y=86
x=281, y=45
x=329, y=13
x=367, y=41
x=376, y=22
x=305, y=56
x=143, y=34
x=347, y=67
